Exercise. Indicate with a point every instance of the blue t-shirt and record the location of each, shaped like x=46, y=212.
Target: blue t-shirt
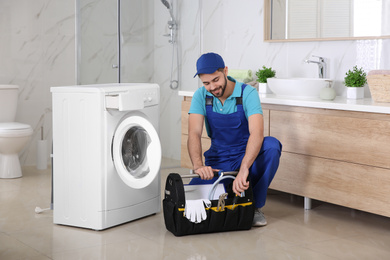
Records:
x=250, y=100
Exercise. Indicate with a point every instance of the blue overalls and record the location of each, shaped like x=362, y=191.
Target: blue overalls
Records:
x=229, y=137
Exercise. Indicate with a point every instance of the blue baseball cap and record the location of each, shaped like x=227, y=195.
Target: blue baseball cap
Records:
x=208, y=63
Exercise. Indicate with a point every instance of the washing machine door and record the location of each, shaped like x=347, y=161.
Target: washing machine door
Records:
x=136, y=151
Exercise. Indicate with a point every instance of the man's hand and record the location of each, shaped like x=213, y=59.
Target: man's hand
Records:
x=255, y=141
x=205, y=172
x=241, y=184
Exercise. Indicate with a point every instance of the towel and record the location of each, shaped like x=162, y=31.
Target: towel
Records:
x=241, y=75
x=377, y=72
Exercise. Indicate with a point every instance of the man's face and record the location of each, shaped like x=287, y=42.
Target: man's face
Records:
x=214, y=83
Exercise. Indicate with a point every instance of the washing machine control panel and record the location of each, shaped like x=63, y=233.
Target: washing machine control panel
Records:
x=150, y=98
x=132, y=100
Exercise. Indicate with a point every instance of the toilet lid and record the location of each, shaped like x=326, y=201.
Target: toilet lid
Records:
x=14, y=129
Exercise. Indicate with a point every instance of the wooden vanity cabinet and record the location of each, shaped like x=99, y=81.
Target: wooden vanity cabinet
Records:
x=336, y=156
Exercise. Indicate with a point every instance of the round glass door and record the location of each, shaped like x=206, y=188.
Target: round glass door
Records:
x=134, y=146
x=136, y=152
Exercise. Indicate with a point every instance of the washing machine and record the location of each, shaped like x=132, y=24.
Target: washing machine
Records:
x=106, y=154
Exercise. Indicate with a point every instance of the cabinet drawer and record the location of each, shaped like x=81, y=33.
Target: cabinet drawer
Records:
x=352, y=139
x=347, y=184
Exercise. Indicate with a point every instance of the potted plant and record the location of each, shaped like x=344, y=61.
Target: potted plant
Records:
x=262, y=76
x=355, y=81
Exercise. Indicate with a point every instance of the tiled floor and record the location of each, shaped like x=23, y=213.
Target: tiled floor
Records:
x=325, y=232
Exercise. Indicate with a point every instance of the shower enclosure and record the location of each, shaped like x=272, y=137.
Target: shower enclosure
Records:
x=131, y=41
x=114, y=41
x=172, y=25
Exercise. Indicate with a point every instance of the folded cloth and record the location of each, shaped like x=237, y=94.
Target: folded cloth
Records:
x=195, y=210
x=377, y=72
x=241, y=75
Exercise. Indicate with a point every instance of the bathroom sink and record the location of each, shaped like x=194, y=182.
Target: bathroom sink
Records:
x=298, y=87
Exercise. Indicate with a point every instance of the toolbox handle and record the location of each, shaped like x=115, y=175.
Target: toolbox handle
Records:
x=213, y=187
x=216, y=174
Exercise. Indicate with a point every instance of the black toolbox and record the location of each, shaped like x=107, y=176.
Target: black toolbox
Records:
x=237, y=213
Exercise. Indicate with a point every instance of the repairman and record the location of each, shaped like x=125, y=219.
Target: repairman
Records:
x=233, y=116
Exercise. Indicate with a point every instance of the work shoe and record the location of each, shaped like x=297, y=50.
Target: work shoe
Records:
x=259, y=219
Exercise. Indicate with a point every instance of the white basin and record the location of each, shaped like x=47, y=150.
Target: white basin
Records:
x=298, y=87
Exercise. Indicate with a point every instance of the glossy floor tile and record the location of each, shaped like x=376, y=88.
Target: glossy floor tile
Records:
x=325, y=232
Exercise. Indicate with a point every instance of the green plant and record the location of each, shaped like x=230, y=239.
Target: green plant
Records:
x=355, y=78
x=264, y=74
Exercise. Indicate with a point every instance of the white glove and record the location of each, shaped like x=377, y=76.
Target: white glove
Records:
x=195, y=210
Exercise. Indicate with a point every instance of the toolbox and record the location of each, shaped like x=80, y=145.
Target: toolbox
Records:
x=225, y=214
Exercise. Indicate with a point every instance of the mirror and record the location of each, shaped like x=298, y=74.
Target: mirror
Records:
x=319, y=20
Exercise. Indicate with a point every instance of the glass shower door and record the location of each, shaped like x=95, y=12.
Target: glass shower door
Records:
x=114, y=41
x=136, y=25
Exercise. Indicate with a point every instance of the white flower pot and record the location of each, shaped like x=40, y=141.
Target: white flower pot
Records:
x=264, y=89
x=355, y=93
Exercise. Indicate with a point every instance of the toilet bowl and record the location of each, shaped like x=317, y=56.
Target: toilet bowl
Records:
x=13, y=137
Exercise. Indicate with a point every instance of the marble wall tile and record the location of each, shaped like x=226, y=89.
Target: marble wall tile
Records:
x=37, y=52
x=187, y=14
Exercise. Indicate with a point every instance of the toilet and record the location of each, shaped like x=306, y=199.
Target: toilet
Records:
x=13, y=136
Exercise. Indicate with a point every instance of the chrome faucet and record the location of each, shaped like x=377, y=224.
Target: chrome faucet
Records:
x=321, y=65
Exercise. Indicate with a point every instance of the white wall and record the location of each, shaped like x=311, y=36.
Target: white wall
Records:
x=235, y=30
